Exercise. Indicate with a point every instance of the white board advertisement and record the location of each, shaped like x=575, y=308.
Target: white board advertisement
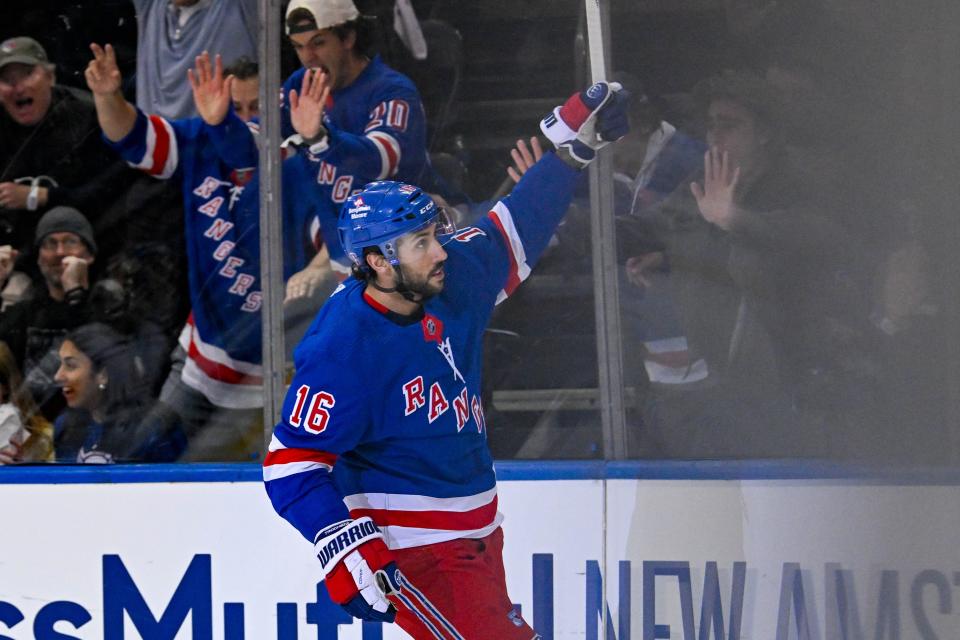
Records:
x=682, y=559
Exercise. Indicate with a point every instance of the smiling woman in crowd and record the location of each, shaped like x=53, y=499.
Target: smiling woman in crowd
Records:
x=103, y=384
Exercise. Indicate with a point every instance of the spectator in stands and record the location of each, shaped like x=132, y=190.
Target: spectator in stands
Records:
x=302, y=285
x=356, y=119
x=107, y=399
x=245, y=88
x=215, y=385
x=172, y=33
x=654, y=160
x=50, y=149
x=34, y=328
x=657, y=157
x=15, y=286
x=752, y=252
x=25, y=435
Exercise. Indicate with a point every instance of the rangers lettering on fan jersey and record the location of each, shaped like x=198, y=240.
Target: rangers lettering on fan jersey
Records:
x=216, y=166
x=376, y=131
x=386, y=420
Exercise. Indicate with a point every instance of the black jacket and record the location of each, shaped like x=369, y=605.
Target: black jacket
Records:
x=66, y=146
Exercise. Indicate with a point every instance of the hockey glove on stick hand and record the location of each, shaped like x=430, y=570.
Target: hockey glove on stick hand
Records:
x=588, y=121
x=359, y=569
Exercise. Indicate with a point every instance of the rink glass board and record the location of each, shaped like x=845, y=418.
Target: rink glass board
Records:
x=758, y=550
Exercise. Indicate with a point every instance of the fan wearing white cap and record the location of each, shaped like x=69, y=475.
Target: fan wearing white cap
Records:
x=356, y=119
x=320, y=36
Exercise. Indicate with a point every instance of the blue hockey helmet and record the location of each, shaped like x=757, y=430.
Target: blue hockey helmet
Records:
x=383, y=212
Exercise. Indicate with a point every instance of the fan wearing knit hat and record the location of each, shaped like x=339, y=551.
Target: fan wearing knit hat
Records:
x=33, y=328
x=65, y=250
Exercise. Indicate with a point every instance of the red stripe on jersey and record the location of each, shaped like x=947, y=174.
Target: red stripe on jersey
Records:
x=373, y=303
x=393, y=157
x=447, y=520
x=283, y=456
x=161, y=149
x=513, y=278
x=220, y=372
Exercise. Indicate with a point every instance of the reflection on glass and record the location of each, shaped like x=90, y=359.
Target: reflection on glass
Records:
x=788, y=300
x=776, y=270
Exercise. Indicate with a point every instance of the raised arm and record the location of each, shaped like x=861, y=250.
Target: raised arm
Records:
x=307, y=105
x=507, y=244
x=524, y=157
x=115, y=114
x=211, y=91
x=393, y=134
x=231, y=136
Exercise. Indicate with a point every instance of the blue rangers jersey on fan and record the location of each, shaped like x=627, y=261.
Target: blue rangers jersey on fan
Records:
x=376, y=131
x=383, y=417
x=216, y=166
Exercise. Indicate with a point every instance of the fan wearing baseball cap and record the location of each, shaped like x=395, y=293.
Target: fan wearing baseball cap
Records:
x=50, y=148
x=356, y=119
x=26, y=80
x=324, y=33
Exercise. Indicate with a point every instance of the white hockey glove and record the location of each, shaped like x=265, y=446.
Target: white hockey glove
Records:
x=359, y=570
x=587, y=121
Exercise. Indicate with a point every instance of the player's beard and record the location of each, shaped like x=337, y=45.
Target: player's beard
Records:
x=423, y=287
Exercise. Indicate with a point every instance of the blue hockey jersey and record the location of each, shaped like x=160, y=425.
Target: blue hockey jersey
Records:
x=216, y=166
x=383, y=417
x=376, y=131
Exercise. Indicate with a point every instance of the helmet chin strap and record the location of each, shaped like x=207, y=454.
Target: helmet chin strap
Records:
x=401, y=288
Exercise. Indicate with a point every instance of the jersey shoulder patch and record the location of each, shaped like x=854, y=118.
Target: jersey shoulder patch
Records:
x=468, y=234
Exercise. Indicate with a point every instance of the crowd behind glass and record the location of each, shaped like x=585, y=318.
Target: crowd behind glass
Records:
x=799, y=317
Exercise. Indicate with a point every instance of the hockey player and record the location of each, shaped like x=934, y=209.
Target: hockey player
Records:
x=381, y=457
x=356, y=119
x=215, y=385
